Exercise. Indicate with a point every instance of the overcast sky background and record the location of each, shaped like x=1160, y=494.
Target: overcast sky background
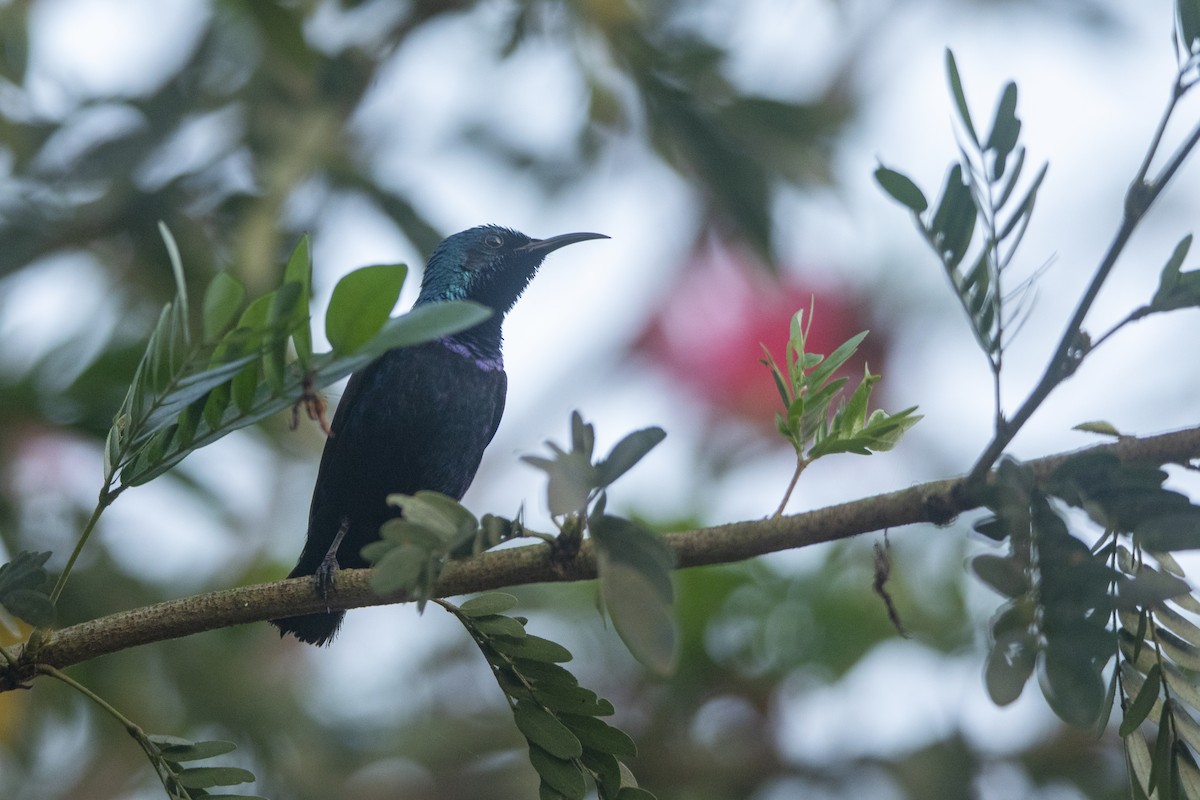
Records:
x=1089, y=100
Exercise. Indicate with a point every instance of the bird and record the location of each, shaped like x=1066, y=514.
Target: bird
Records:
x=417, y=417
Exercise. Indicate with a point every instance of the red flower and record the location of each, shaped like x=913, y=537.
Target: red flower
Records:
x=709, y=333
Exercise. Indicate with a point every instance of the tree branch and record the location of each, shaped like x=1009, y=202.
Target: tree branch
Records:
x=938, y=502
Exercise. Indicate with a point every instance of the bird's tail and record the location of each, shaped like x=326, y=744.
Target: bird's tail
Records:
x=317, y=628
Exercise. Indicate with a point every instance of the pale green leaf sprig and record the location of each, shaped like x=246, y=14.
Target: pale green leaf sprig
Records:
x=808, y=389
x=633, y=563
x=434, y=530
x=247, y=364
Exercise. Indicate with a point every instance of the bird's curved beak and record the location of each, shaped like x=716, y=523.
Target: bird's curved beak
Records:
x=544, y=246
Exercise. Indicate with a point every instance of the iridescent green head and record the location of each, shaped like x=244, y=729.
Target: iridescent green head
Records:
x=489, y=264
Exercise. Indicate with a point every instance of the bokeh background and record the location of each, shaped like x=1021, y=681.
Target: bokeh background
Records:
x=727, y=147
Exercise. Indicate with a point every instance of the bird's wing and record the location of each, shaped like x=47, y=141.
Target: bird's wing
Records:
x=501, y=393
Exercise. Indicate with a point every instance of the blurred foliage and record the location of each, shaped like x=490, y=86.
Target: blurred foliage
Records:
x=277, y=111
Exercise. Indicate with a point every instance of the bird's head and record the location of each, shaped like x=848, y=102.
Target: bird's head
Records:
x=488, y=264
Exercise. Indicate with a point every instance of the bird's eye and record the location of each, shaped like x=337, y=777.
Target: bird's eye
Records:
x=493, y=240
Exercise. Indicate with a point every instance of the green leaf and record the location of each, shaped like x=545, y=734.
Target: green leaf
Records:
x=1177, y=289
x=423, y=324
x=1006, y=130
x=1009, y=664
x=24, y=584
x=605, y=770
x=280, y=322
x=960, y=98
x=901, y=189
x=571, y=479
x=500, y=625
x=1005, y=575
x=181, y=298
x=560, y=774
x=1071, y=684
x=400, y=569
x=1149, y=588
x=634, y=793
x=599, y=735
x=543, y=729
x=436, y=512
x=299, y=271
x=627, y=453
x=208, y=777
x=487, y=604
x=642, y=619
x=1178, y=530
x=361, y=303
x=533, y=648
x=574, y=700
x=178, y=752
x=583, y=435
x=1161, y=765
x=1140, y=708
x=1098, y=426
x=953, y=224
x=222, y=300
x=1187, y=16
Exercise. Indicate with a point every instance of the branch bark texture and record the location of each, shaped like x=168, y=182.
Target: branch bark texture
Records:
x=938, y=502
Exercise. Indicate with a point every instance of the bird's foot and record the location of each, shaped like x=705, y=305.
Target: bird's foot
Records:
x=326, y=573
x=326, y=576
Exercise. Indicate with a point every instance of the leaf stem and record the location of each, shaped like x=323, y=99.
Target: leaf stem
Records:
x=131, y=727
x=801, y=463
x=105, y=500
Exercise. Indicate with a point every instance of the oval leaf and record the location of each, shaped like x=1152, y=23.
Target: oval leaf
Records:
x=195, y=751
x=1141, y=706
x=641, y=617
x=208, y=777
x=901, y=189
x=222, y=300
x=1009, y=665
x=485, y=605
x=1004, y=575
x=561, y=775
x=362, y=302
x=543, y=729
x=627, y=453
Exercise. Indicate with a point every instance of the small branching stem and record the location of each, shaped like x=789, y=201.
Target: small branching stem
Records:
x=1141, y=196
x=801, y=463
x=131, y=727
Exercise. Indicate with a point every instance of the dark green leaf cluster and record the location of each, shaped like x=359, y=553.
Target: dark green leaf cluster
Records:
x=1072, y=609
x=169, y=754
x=190, y=390
x=808, y=388
x=633, y=563
x=24, y=588
x=975, y=197
x=569, y=745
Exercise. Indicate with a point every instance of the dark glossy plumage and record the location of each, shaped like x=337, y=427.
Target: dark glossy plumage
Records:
x=419, y=417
